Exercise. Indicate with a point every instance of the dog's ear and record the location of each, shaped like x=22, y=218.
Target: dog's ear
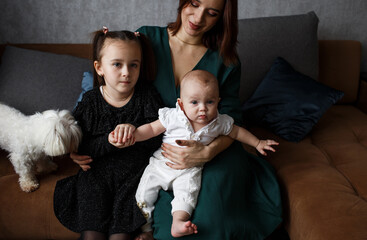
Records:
x=76, y=136
x=55, y=140
x=75, y=130
x=64, y=135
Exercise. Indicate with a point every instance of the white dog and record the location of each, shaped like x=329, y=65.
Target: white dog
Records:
x=33, y=140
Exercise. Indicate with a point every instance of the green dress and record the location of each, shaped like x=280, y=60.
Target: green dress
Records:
x=239, y=197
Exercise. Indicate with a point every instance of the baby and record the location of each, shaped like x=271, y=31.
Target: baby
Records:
x=195, y=118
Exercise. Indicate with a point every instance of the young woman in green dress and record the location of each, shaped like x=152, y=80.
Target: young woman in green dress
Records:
x=240, y=197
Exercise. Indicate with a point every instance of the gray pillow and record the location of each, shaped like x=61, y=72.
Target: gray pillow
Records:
x=262, y=40
x=33, y=81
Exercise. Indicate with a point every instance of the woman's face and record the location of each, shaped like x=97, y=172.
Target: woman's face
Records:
x=200, y=16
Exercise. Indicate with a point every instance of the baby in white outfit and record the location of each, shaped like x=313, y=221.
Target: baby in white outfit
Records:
x=195, y=118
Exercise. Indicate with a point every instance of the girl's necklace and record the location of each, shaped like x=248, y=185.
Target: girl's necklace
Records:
x=123, y=100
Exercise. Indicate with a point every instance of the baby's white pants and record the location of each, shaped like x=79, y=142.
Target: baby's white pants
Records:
x=157, y=175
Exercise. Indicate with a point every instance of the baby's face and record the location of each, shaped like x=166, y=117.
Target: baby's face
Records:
x=200, y=102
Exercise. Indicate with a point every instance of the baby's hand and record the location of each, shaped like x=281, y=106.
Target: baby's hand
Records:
x=266, y=145
x=122, y=136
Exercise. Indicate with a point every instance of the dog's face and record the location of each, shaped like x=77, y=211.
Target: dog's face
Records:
x=60, y=131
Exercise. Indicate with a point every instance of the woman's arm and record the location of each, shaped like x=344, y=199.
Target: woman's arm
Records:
x=194, y=153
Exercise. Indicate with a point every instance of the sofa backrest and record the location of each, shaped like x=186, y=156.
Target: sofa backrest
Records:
x=33, y=81
x=335, y=63
x=262, y=40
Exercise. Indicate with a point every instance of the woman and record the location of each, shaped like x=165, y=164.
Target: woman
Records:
x=240, y=197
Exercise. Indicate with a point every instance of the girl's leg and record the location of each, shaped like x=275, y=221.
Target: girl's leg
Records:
x=120, y=236
x=92, y=235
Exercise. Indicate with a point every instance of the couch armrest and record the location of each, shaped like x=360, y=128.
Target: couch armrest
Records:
x=362, y=97
x=339, y=66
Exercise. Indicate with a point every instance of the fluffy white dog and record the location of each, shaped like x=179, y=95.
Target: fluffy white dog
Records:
x=32, y=140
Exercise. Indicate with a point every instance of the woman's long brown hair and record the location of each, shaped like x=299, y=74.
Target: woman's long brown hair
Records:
x=223, y=36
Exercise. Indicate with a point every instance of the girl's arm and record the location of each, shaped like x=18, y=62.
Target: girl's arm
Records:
x=248, y=138
x=126, y=135
x=94, y=143
x=82, y=160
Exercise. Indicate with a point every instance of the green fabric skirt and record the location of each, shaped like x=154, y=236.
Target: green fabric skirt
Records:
x=239, y=199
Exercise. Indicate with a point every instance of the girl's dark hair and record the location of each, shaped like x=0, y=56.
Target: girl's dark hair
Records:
x=223, y=36
x=147, y=68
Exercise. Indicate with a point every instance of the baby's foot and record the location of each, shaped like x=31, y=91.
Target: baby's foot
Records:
x=145, y=236
x=180, y=229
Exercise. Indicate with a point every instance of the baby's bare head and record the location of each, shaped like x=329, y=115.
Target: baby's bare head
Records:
x=199, y=79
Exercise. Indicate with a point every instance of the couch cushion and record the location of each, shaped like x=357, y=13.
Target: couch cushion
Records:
x=261, y=40
x=36, y=81
x=288, y=102
x=30, y=215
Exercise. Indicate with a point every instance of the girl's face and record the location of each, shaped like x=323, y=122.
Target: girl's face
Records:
x=200, y=16
x=120, y=66
x=199, y=102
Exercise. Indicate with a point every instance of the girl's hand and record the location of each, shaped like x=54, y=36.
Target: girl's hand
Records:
x=266, y=145
x=192, y=155
x=122, y=136
x=82, y=160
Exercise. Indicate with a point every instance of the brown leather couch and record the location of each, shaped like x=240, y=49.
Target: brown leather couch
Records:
x=323, y=177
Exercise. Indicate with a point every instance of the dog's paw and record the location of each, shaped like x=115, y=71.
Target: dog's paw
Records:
x=28, y=185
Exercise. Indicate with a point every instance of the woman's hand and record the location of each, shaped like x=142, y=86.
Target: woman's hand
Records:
x=192, y=155
x=82, y=160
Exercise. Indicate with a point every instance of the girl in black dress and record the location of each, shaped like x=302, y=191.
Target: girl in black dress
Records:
x=100, y=202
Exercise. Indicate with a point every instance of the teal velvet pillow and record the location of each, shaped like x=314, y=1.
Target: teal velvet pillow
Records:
x=288, y=102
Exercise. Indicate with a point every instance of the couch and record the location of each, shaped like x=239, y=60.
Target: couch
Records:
x=322, y=175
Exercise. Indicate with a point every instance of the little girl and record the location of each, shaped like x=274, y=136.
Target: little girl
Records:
x=100, y=203
x=195, y=118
